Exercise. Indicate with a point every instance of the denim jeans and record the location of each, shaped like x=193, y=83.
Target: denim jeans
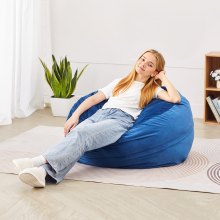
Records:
x=105, y=127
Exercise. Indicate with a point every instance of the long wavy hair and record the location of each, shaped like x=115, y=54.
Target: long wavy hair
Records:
x=150, y=86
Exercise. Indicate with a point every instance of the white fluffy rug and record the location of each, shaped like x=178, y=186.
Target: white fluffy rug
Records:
x=200, y=172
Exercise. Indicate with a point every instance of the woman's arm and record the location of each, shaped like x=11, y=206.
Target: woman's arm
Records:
x=88, y=103
x=171, y=95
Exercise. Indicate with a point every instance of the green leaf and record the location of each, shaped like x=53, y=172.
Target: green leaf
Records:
x=73, y=85
x=68, y=79
x=84, y=68
x=61, y=67
x=55, y=86
x=47, y=73
x=56, y=69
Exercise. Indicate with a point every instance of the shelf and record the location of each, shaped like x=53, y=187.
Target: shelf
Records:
x=212, y=122
x=212, y=89
x=212, y=62
x=213, y=54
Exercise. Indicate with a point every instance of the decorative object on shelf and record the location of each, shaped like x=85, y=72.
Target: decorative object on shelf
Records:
x=62, y=84
x=218, y=84
x=213, y=108
x=216, y=102
x=216, y=76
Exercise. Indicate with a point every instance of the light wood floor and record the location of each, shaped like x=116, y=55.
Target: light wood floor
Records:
x=88, y=200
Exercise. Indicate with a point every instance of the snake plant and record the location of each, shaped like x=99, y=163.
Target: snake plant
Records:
x=60, y=78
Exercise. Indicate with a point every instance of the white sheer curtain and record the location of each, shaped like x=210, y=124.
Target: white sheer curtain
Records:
x=25, y=37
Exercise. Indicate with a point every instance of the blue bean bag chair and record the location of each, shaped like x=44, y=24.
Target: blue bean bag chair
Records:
x=161, y=136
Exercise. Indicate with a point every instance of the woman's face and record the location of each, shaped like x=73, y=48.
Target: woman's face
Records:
x=146, y=65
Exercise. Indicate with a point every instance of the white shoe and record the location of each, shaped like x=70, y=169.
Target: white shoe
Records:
x=22, y=164
x=34, y=177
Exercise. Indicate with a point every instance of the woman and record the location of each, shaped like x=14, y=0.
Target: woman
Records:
x=126, y=99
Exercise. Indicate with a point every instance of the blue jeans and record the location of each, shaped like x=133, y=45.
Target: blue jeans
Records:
x=105, y=127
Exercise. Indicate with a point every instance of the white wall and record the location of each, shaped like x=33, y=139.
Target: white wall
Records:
x=110, y=35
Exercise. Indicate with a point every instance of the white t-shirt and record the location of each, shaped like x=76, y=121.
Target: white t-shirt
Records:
x=127, y=101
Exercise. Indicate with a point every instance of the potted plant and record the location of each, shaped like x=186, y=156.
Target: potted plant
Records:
x=62, y=84
x=216, y=76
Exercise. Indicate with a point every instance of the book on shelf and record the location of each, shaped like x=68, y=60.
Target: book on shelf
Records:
x=216, y=103
x=212, y=106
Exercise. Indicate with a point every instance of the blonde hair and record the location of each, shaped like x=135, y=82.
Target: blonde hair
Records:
x=148, y=90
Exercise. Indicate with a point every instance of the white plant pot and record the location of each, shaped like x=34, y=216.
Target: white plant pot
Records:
x=62, y=106
x=218, y=84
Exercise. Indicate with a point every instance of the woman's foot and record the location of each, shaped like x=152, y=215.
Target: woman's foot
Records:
x=24, y=163
x=34, y=177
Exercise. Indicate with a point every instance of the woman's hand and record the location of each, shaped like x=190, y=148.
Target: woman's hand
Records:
x=70, y=124
x=171, y=95
x=160, y=75
x=88, y=103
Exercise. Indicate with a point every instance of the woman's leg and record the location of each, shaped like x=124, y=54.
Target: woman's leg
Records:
x=103, y=128
x=24, y=163
x=31, y=170
x=101, y=132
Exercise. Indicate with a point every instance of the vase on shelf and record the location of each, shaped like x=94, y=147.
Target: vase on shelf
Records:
x=218, y=84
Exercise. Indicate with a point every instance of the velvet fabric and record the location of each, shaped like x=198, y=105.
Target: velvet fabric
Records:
x=161, y=136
